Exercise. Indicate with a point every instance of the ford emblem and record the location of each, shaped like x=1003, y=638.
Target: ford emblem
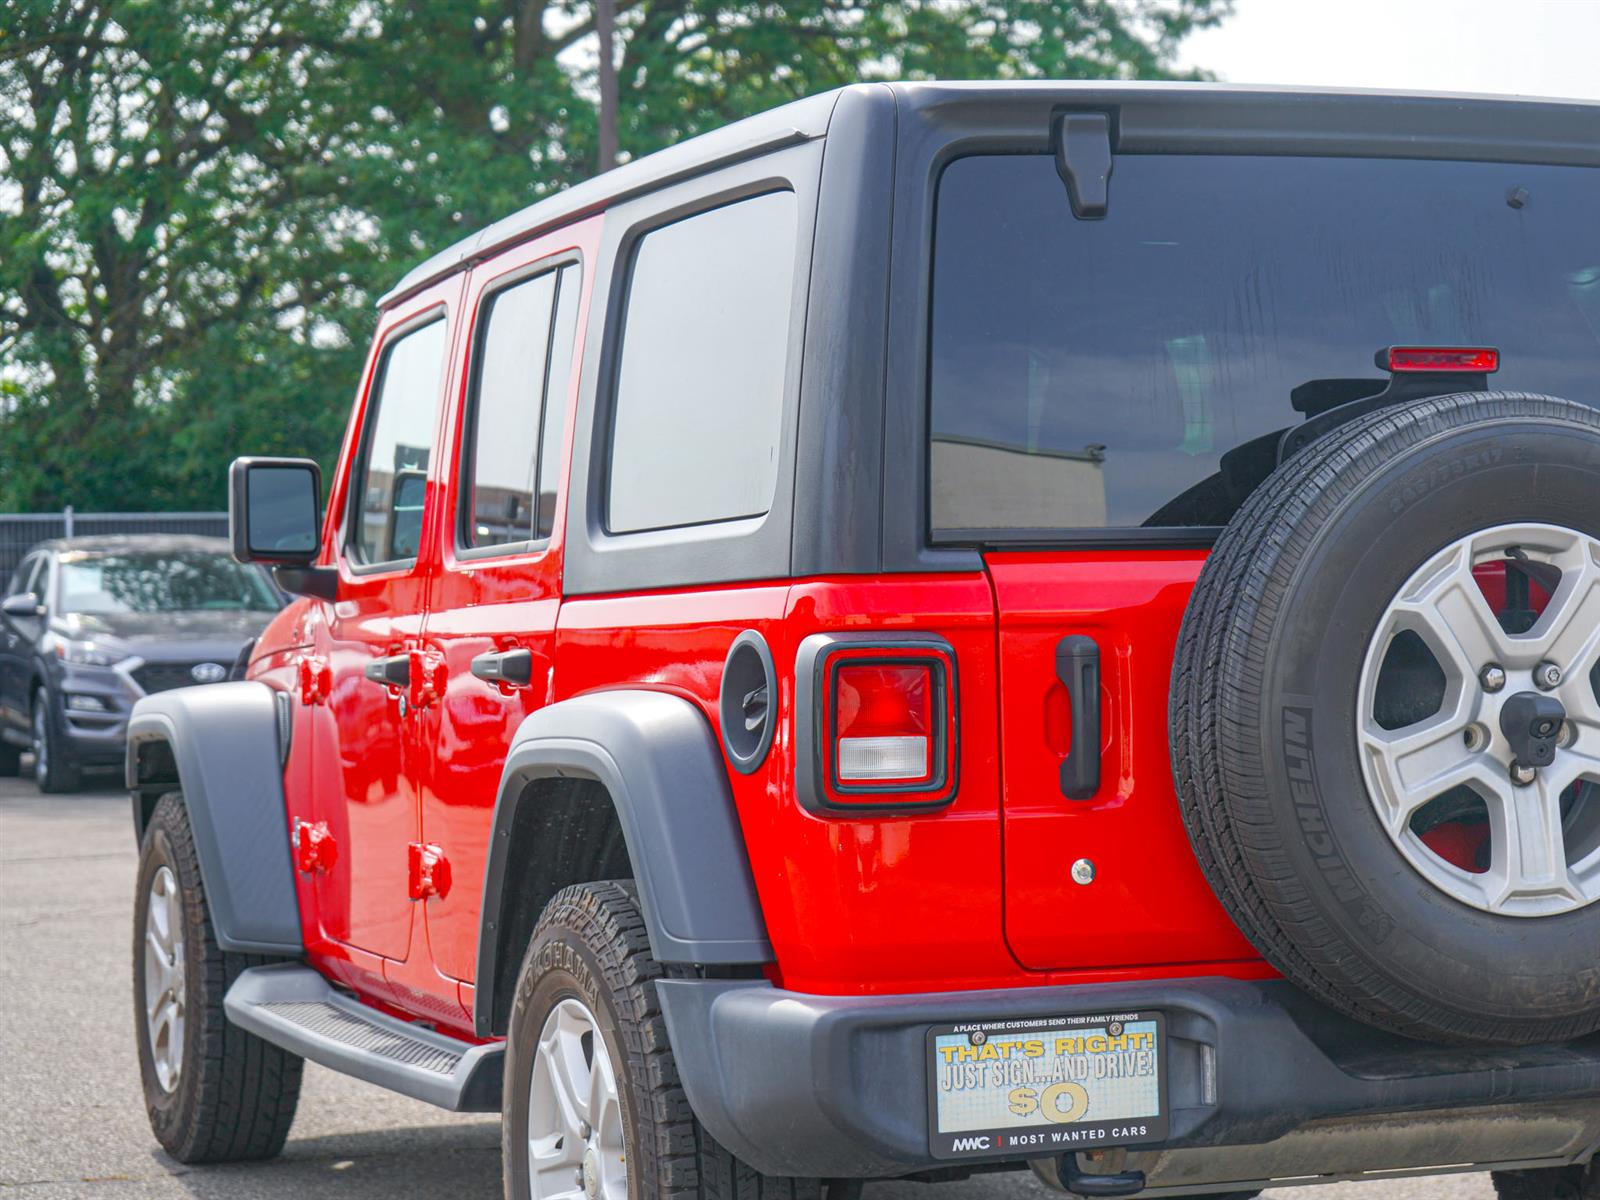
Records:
x=208, y=672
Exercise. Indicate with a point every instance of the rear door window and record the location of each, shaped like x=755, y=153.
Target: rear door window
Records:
x=1093, y=375
x=518, y=409
x=699, y=391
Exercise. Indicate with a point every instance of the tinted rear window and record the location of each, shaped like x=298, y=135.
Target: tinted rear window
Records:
x=1091, y=374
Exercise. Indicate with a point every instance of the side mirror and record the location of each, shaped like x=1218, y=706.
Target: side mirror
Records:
x=23, y=604
x=272, y=510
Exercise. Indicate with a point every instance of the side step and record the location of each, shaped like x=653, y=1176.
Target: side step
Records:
x=292, y=1006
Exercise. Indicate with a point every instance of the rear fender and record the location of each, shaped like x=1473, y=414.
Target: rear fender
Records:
x=658, y=759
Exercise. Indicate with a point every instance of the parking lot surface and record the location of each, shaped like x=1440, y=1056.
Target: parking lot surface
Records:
x=73, y=1116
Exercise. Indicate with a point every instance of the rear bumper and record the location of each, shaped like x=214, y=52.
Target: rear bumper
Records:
x=837, y=1086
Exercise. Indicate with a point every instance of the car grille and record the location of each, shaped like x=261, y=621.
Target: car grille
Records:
x=161, y=677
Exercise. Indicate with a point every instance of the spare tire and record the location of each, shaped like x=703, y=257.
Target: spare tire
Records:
x=1363, y=669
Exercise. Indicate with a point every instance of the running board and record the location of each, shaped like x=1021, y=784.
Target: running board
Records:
x=293, y=1007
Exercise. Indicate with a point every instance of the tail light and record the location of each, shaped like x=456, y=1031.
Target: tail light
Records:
x=875, y=721
x=1477, y=360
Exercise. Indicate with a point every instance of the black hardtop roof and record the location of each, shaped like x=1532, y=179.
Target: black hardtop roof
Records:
x=1152, y=116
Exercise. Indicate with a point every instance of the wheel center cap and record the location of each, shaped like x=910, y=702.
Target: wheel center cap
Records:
x=591, y=1174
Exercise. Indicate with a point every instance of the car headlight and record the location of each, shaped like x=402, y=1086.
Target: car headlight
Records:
x=85, y=654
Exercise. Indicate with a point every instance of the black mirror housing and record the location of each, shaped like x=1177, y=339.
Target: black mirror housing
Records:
x=273, y=510
x=23, y=604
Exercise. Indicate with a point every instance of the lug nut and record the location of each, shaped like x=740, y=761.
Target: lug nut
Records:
x=1547, y=676
x=1522, y=775
x=1493, y=677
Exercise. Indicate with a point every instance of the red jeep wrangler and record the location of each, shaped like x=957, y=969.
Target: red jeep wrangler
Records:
x=910, y=636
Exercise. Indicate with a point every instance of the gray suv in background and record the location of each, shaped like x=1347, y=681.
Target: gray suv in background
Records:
x=89, y=625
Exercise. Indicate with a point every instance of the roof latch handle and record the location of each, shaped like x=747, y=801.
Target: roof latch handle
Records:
x=1083, y=156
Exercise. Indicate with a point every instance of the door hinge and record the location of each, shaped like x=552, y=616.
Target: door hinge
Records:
x=429, y=678
x=428, y=871
x=314, y=678
x=315, y=851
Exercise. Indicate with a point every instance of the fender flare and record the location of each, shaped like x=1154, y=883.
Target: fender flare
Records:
x=656, y=754
x=220, y=746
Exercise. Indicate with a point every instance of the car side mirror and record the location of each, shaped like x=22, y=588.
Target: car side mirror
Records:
x=272, y=510
x=273, y=507
x=23, y=604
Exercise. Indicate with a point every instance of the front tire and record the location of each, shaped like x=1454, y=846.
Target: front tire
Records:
x=593, y=1102
x=214, y=1093
x=54, y=770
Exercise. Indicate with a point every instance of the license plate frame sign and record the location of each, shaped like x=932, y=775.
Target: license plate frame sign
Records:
x=1047, y=1085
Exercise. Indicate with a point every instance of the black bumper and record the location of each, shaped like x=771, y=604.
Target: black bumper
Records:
x=837, y=1086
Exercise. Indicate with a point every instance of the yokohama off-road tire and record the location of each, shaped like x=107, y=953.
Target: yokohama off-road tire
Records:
x=591, y=945
x=235, y=1095
x=1263, y=706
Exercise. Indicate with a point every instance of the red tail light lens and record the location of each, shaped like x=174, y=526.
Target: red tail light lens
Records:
x=883, y=722
x=1479, y=360
x=876, y=732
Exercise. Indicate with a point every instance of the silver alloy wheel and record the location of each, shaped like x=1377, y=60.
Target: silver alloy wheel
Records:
x=575, y=1145
x=1539, y=864
x=41, y=741
x=164, y=977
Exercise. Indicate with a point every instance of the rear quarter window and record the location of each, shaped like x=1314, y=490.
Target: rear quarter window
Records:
x=698, y=404
x=1091, y=375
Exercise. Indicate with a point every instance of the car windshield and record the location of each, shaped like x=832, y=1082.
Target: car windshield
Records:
x=151, y=582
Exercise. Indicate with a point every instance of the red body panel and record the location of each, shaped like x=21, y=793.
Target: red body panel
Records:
x=1149, y=903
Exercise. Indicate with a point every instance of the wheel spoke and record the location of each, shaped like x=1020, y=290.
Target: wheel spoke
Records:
x=161, y=1022
x=559, y=1048
x=162, y=955
x=1447, y=610
x=1529, y=858
x=1420, y=762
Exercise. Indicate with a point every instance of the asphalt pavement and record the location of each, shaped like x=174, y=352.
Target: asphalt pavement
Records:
x=72, y=1118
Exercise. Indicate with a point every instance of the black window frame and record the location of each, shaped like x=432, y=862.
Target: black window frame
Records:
x=467, y=451
x=369, y=418
x=739, y=549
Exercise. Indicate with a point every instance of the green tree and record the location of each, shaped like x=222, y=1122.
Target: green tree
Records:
x=199, y=199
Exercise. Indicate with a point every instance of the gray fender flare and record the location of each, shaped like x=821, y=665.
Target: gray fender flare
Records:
x=657, y=756
x=219, y=746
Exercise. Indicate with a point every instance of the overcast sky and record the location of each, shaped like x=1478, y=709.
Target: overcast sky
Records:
x=1527, y=47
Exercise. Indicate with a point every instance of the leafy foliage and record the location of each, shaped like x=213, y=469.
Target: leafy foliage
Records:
x=199, y=199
